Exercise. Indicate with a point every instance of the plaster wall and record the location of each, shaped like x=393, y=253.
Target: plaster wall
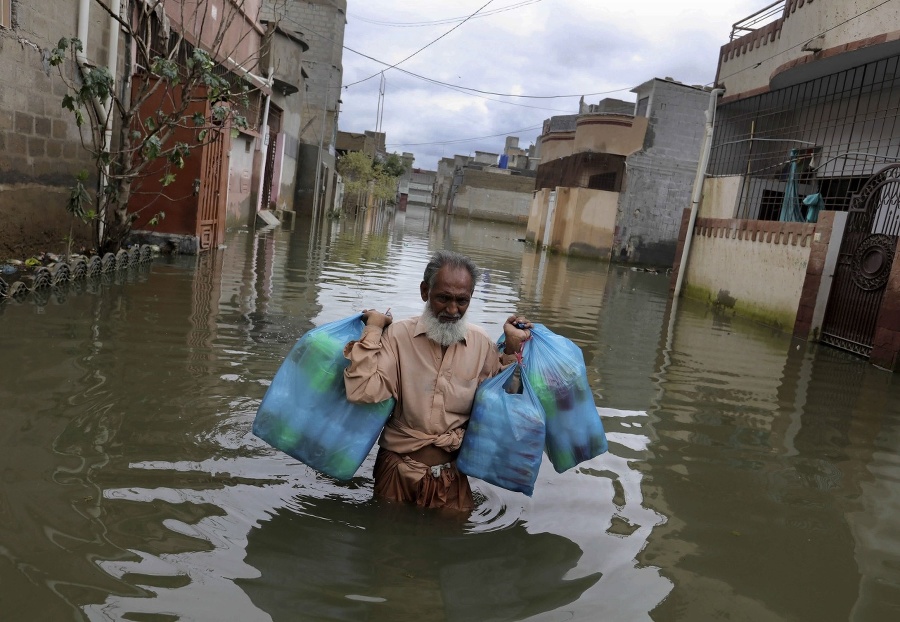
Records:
x=242, y=181
x=492, y=204
x=610, y=133
x=720, y=197
x=584, y=222
x=557, y=145
x=756, y=272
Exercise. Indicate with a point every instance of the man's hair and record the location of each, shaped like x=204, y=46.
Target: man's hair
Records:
x=452, y=259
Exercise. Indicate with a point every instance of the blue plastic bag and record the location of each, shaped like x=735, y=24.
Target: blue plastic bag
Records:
x=555, y=368
x=305, y=412
x=504, y=442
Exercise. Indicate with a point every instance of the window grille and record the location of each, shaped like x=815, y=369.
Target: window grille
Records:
x=843, y=128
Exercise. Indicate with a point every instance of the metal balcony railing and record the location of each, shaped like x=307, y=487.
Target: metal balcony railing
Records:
x=764, y=16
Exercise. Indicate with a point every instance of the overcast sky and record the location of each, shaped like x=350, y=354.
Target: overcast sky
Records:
x=521, y=47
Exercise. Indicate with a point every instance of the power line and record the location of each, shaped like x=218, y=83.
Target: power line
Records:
x=461, y=89
x=427, y=45
x=448, y=20
x=465, y=140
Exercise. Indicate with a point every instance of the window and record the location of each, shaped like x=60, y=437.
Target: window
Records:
x=6, y=13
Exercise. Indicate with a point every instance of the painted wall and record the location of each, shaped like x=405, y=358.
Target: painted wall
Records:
x=234, y=24
x=557, y=145
x=748, y=63
x=488, y=195
x=720, y=197
x=583, y=221
x=753, y=268
x=242, y=181
x=610, y=133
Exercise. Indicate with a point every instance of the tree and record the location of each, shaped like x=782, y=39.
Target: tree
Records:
x=361, y=175
x=127, y=147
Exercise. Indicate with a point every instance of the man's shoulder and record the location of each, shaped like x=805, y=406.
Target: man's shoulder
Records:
x=478, y=333
x=403, y=328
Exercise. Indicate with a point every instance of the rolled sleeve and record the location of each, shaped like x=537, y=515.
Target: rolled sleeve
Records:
x=371, y=376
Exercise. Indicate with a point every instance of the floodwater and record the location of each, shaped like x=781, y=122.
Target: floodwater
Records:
x=749, y=477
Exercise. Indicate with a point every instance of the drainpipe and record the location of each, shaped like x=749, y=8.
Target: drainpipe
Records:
x=112, y=58
x=698, y=187
x=263, y=139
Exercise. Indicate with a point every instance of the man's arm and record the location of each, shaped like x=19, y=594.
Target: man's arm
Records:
x=372, y=375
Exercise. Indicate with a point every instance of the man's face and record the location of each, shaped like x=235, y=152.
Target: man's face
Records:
x=449, y=298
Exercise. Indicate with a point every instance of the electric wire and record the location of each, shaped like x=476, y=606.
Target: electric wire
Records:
x=441, y=22
x=424, y=47
x=466, y=140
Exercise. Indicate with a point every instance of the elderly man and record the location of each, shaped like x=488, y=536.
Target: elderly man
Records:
x=431, y=365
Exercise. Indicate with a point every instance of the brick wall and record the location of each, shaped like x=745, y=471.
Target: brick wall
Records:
x=40, y=148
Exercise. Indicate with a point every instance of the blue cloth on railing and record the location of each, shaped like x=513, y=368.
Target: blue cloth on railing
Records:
x=814, y=204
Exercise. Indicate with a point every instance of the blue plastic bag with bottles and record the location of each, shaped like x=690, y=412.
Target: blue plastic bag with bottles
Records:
x=504, y=441
x=305, y=412
x=554, y=367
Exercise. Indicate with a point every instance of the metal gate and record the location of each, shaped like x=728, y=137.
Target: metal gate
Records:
x=211, y=195
x=864, y=263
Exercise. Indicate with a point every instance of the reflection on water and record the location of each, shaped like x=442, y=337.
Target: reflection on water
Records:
x=749, y=477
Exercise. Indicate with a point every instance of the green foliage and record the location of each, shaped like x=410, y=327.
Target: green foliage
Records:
x=153, y=143
x=392, y=165
x=79, y=199
x=357, y=170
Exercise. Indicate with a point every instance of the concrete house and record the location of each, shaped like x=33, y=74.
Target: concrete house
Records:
x=613, y=180
x=800, y=214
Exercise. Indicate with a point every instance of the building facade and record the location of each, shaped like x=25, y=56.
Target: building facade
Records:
x=805, y=155
x=611, y=184
x=321, y=24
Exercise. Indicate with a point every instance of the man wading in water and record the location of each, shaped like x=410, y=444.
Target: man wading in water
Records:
x=431, y=365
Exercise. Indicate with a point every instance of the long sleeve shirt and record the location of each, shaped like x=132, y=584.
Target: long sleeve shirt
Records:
x=434, y=389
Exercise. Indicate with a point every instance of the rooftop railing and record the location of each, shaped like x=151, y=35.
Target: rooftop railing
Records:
x=759, y=19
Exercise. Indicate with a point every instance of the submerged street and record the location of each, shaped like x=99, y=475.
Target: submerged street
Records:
x=749, y=476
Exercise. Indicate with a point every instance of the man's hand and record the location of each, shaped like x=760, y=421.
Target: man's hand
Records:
x=517, y=330
x=374, y=318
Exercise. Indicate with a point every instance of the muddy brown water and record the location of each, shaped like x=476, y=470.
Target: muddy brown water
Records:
x=750, y=477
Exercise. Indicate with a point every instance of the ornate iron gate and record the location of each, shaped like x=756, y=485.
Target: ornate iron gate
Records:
x=864, y=263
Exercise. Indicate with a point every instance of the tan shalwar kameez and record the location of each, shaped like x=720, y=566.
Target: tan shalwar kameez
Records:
x=434, y=389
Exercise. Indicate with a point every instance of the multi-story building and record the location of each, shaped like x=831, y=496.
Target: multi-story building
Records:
x=800, y=214
x=612, y=184
x=321, y=24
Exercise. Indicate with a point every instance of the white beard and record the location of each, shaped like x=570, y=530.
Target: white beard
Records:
x=444, y=333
